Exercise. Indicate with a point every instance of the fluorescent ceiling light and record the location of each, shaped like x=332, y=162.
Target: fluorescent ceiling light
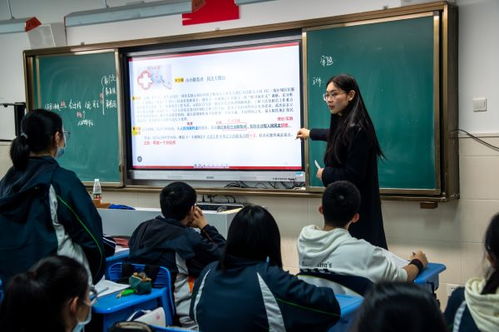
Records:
x=18, y=24
x=129, y=12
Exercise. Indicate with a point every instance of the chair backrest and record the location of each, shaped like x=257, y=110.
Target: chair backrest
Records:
x=321, y=282
x=340, y=283
x=163, y=278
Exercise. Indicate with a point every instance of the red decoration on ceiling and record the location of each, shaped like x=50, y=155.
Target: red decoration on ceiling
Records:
x=212, y=11
x=31, y=24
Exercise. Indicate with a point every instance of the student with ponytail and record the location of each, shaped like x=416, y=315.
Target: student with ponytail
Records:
x=475, y=307
x=247, y=290
x=45, y=209
x=53, y=295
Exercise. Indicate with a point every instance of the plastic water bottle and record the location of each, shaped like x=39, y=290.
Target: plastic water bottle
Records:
x=97, y=190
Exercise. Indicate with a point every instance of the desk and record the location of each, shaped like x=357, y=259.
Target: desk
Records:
x=349, y=306
x=113, y=309
x=429, y=277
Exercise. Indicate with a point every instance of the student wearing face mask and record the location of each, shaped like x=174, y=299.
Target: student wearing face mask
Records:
x=45, y=209
x=352, y=153
x=53, y=295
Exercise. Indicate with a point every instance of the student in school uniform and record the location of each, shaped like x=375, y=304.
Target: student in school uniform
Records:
x=352, y=153
x=331, y=249
x=45, y=209
x=475, y=307
x=54, y=295
x=171, y=241
x=247, y=290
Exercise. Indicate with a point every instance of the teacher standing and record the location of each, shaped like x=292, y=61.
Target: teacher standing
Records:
x=352, y=153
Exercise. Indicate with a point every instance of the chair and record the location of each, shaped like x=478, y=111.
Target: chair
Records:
x=340, y=283
x=349, y=306
x=113, y=309
x=163, y=279
x=120, y=256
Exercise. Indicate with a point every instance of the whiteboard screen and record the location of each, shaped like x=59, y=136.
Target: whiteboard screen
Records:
x=231, y=109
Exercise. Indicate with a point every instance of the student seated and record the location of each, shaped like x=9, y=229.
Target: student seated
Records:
x=331, y=250
x=476, y=306
x=54, y=295
x=171, y=241
x=45, y=209
x=247, y=290
x=399, y=306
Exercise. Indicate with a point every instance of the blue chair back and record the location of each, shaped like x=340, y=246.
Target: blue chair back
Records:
x=163, y=280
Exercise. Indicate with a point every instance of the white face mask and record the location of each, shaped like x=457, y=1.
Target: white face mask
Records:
x=60, y=150
x=80, y=325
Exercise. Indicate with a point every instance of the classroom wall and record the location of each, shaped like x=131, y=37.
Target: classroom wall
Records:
x=451, y=234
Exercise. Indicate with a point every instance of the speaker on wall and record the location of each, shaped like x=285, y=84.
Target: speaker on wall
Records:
x=47, y=35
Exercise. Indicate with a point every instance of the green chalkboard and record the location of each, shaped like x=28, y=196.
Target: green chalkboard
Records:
x=393, y=63
x=82, y=89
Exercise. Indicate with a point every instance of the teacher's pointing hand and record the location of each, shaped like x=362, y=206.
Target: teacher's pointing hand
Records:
x=303, y=133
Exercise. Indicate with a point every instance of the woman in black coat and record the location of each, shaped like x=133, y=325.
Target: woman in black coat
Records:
x=352, y=153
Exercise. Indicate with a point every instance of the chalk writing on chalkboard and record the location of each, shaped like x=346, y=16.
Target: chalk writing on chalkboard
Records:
x=317, y=81
x=83, y=108
x=326, y=61
x=394, y=66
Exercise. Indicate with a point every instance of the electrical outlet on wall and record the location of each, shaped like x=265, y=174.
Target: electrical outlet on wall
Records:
x=479, y=104
x=451, y=288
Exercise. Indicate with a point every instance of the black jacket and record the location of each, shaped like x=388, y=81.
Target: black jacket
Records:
x=256, y=296
x=466, y=322
x=158, y=240
x=27, y=231
x=358, y=165
x=181, y=249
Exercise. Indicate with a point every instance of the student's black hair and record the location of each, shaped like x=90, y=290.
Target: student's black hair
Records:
x=176, y=200
x=37, y=132
x=491, y=243
x=354, y=117
x=340, y=202
x=399, y=306
x=253, y=234
x=34, y=300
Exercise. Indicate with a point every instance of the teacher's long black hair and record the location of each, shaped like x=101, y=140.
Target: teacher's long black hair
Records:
x=354, y=117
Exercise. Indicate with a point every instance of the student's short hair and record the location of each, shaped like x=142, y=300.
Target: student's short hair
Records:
x=340, y=202
x=253, y=234
x=176, y=200
x=399, y=306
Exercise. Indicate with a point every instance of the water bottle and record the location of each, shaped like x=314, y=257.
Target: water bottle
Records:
x=97, y=190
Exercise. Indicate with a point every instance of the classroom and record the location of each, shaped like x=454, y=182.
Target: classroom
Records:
x=450, y=233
